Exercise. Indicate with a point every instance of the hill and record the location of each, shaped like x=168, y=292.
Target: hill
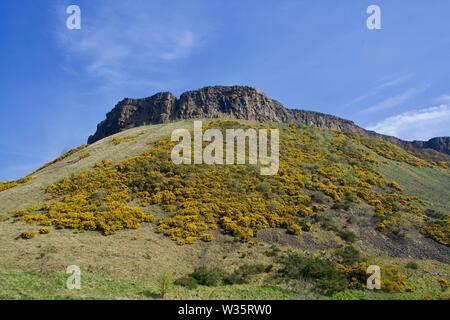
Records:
x=338, y=196
x=243, y=103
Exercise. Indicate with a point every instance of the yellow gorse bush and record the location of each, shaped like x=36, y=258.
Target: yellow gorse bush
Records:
x=11, y=184
x=27, y=235
x=236, y=198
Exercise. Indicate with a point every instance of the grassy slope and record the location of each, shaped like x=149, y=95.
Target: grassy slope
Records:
x=119, y=267
x=429, y=183
x=32, y=192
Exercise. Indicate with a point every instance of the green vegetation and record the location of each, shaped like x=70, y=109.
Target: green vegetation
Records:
x=213, y=276
x=202, y=197
x=165, y=284
x=347, y=235
x=11, y=184
x=62, y=157
x=336, y=198
x=44, y=230
x=27, y=235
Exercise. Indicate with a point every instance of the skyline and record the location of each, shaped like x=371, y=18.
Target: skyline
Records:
x=58, y=84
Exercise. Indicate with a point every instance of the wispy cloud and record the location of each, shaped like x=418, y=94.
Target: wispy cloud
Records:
x=445, y=98
x=392, y=102
x=128, y=44
x=421, y=124
x=386, y=84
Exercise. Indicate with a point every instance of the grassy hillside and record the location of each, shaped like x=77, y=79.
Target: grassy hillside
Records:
x=123, y=212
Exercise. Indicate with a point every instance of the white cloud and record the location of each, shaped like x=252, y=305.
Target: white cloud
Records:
x=445, y=98
x=129, y=44
x=392, y=102
x=420, y=124
x=387, y=84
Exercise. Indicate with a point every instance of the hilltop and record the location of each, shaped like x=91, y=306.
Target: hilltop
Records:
x=242, y=103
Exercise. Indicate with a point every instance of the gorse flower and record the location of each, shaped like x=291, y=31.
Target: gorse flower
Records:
x=332, y=167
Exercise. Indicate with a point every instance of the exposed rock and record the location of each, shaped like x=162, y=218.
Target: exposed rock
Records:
x=130, y=113
x=441, y=144
x=238, y=102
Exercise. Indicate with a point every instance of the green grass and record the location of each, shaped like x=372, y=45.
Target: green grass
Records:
x=26, y=285
x=432, y=184
x=106, y=277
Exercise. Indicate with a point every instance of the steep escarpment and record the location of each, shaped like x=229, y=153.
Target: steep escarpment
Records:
x=130, y=113
x=243, y=103
x=235, y=102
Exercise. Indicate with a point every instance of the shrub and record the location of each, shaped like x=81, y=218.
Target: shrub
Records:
x=210, y=277
x=356, y=274
x=305, y=225
x=412, y=265
x=432, y=213
x=345, y=205
x=116, y=141
x=348, y=255
x=332, y=283
x=187, y=282
x=327, y=279
x=393, y=281
x=273, y=251
x=327, y=222
x=242, y=274
x=397, y=232
x=347, y=235
x=444, y=283
x=395, y=185
x=27, y=235
x=84, y=156
x=318, y=197
x=207, y=237
x=263, y=187
x=44, y=230
x=294, y=229
x=11, y=184
x=165, y=284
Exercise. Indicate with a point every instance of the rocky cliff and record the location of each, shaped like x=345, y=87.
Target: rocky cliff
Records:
x=236, y=102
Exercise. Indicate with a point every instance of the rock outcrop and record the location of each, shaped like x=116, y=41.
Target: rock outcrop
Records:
x=441, y=144
x=235, y=102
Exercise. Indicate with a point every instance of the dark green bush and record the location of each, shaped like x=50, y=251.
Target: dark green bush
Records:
x=273, y=251
x=397, y=232
x=345, y=205
x=243, y=273
x=187, y=282
x=434, y=214
x=263, y=187
x=412, y=265
x=348, y=255
x=326, y=277
x=318, y=197
x=326, y=221
x=347, y=235
x=332, y=283
x=208, y=276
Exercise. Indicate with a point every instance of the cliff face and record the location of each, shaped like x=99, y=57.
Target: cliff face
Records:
x=130, y=113
x=441, y=144
x=235, y=102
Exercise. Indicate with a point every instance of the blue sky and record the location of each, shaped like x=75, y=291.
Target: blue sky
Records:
x=57, y=84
